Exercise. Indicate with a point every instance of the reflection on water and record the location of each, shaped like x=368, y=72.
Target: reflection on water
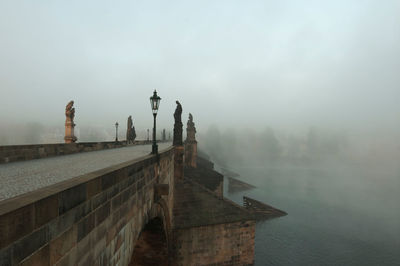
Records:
x=337, y=215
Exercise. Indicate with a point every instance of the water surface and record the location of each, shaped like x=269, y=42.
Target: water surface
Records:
x=338, y=213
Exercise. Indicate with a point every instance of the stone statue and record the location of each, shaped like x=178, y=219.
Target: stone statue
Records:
x=191, y=144
x=178, y=125
x=130, y=132
x=69, y=123
x=191, y=129
x=69, y=111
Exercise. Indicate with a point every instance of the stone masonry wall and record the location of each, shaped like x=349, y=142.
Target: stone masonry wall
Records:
x=220, y=244
x=13, y=153
x=93, y=219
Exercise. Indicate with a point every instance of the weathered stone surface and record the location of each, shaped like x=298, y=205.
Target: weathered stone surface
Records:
x=13, y=153
x=72, y=197
x=39, y=258
x=94, y=187
x=62, y=244
x=108, y=180
x=161, y=190
x=178, y=163
x=191, y=130
x=102, y=213
x=16, y=224
x=191, y=144
x=178, y=125
x=29, y=244
x=84, y=246
x=6, y=256
x=219, y=244
x=69, y=259
x=65, y=221
x=46, y=210
x=85, y=226
x=69, y=123
x=116, y=202
x=130, y=131
x=190, y=207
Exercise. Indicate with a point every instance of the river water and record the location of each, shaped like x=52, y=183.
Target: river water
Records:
x=338, y=213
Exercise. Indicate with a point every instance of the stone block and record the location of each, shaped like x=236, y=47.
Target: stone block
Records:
x=6, y=256
x=29, y=244
x=39, y=258
x=141, y=183
x=16, y=224
x=131, y=171
x=85, y=226
x=99, y=199
x=86, y=260
x=125, y=195
x=99, y=246
x=133, y=189
x=64, y=222
x=116, y=202
x=161, y=189
x=114, y=218
x=94, y=187
x=101, y=230
x=124, y=209
x=107, y=181
x=71, y=198
x=46, y=210
x=61, y=245
x=111, y=234
x=130, y=180
x=120, y=175
x=85, y=245
x=102, y=213
x=69, y=259
x=112, y=192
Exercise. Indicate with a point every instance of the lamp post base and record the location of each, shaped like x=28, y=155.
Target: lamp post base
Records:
x=154, y=149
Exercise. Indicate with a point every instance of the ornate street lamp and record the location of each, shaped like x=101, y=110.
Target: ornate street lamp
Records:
x=155, y=103
x=116, y=132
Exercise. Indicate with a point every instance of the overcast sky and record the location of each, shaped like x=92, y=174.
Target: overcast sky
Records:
x=236, y=63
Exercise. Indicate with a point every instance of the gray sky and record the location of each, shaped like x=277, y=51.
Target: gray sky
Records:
x=237, y=63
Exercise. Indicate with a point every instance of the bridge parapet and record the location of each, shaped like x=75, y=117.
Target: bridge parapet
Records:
x=93, y=219
x=13, y=153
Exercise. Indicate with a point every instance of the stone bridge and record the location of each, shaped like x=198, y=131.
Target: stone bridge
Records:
x=90, y=208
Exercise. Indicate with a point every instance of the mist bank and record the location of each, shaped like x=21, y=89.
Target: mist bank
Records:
x=240, y=146
x=313, y=145
x=40, y=133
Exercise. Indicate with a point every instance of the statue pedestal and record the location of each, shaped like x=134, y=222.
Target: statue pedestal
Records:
x=191, y=153
x=178, y=163
x=69, y=132
x=177, y=134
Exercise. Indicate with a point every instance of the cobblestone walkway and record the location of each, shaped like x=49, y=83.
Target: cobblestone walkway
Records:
x=21, y=177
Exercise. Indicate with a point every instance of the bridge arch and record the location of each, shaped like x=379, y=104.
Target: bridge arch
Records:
x=153, y=244
x=160, y=210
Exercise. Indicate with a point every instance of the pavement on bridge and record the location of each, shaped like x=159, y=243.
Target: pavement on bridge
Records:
x=20, y=177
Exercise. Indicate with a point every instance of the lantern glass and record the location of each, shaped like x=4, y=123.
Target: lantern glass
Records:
x=155, y=102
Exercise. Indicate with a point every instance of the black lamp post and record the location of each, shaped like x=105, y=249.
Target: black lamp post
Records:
x=155, y=103
x=148, y=135
x=116, y=132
